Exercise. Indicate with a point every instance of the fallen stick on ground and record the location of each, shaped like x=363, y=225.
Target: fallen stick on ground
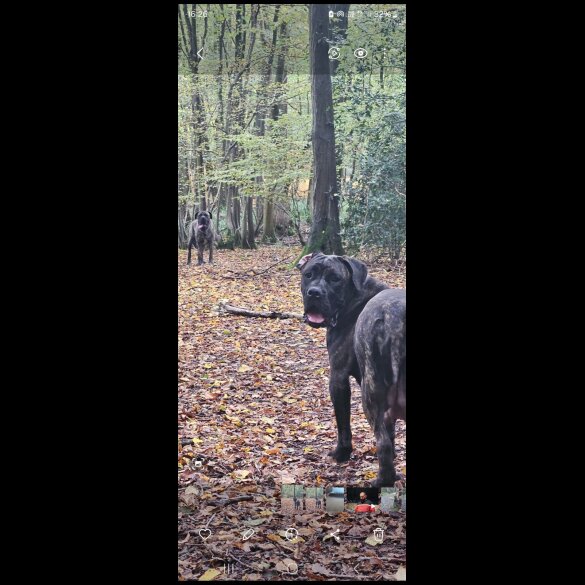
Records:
x=247, y=313
x=228, y=501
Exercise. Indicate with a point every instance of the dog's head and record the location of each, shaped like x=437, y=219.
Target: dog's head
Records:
x=203, y=220
x=329, y=284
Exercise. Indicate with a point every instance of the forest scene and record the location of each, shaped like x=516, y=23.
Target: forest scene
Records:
x=291, y=143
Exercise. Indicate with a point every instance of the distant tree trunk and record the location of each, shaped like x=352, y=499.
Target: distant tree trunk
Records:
x=269, y=234
x=248, y=240
x=325, y=229
x=248, y=235
x=221, y=197
x=182, y=228
x=234, y=118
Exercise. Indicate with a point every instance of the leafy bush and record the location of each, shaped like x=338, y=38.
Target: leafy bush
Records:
x=374, y=203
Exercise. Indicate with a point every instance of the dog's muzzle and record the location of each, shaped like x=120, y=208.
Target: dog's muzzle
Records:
x=315, y=319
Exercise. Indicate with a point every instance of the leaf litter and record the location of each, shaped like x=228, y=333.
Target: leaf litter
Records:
x=253, y=413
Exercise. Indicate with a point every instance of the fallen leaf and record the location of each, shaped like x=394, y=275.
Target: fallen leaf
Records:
x=254, y=522
x=319, y=569
x=371, y=540
x=209, y=575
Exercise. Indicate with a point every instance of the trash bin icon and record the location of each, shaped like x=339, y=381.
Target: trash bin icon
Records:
x=379, y=534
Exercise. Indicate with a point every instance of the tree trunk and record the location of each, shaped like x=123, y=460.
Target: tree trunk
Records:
x=325, y=229
x=183, y=236
x=248, y=241
x=269, y=234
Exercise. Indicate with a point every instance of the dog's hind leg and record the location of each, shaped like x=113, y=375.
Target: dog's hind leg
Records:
x=381, y=420
x=390, y=423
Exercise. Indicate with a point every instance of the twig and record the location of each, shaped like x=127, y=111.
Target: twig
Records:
x=228, y=501
x=241, y=562
x=247, y=313
x=336, y=575
x=212, y=516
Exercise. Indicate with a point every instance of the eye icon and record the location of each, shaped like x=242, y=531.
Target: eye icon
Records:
x=360, y=53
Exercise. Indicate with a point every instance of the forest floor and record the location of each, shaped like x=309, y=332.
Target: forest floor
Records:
x=254, y=409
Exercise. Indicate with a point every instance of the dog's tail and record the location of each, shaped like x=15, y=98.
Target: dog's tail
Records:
x=389, y=339
x=381, y=350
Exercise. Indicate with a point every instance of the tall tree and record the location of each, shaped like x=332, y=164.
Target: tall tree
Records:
x=325, y=229
x=248, y=235
x=268, y=212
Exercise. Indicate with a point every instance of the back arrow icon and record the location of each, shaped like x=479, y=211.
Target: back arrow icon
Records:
x=199, y=51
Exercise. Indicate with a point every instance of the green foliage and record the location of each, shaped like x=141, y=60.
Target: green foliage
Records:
x=375, y=199
x=370, y=122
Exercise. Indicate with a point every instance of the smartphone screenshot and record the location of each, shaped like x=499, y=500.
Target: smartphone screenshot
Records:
x=291, y=292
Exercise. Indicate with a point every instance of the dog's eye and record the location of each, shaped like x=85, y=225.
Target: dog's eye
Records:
x=334, y=278
x=309, y=275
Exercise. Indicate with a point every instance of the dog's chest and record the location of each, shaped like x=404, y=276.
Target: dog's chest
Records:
x=341, y=349
x=204, y=236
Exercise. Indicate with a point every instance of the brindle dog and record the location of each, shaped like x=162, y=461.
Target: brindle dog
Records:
x=336, y=290
x=201, y=235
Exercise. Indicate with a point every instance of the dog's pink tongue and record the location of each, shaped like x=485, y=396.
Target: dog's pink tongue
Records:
x=315, y=317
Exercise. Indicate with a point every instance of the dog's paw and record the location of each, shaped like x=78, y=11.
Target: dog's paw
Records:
x=385, y=480
x=341, y=454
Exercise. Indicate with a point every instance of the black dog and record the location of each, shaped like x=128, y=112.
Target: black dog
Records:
x=201, y=235
x=336, y=289
x=380, y=349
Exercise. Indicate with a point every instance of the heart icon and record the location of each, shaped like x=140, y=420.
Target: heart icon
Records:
x=205, y=533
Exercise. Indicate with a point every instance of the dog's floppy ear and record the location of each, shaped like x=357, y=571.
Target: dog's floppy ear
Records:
x=196, y=215
x=358, y=271
x=305, y=259
x=210, y=216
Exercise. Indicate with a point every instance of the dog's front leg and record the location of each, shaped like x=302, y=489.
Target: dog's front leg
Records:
x=340, y=393
x=191, y=244
x=200, y=248
x=211, y=250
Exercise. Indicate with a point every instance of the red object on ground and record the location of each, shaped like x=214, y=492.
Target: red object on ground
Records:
x=364, y=508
